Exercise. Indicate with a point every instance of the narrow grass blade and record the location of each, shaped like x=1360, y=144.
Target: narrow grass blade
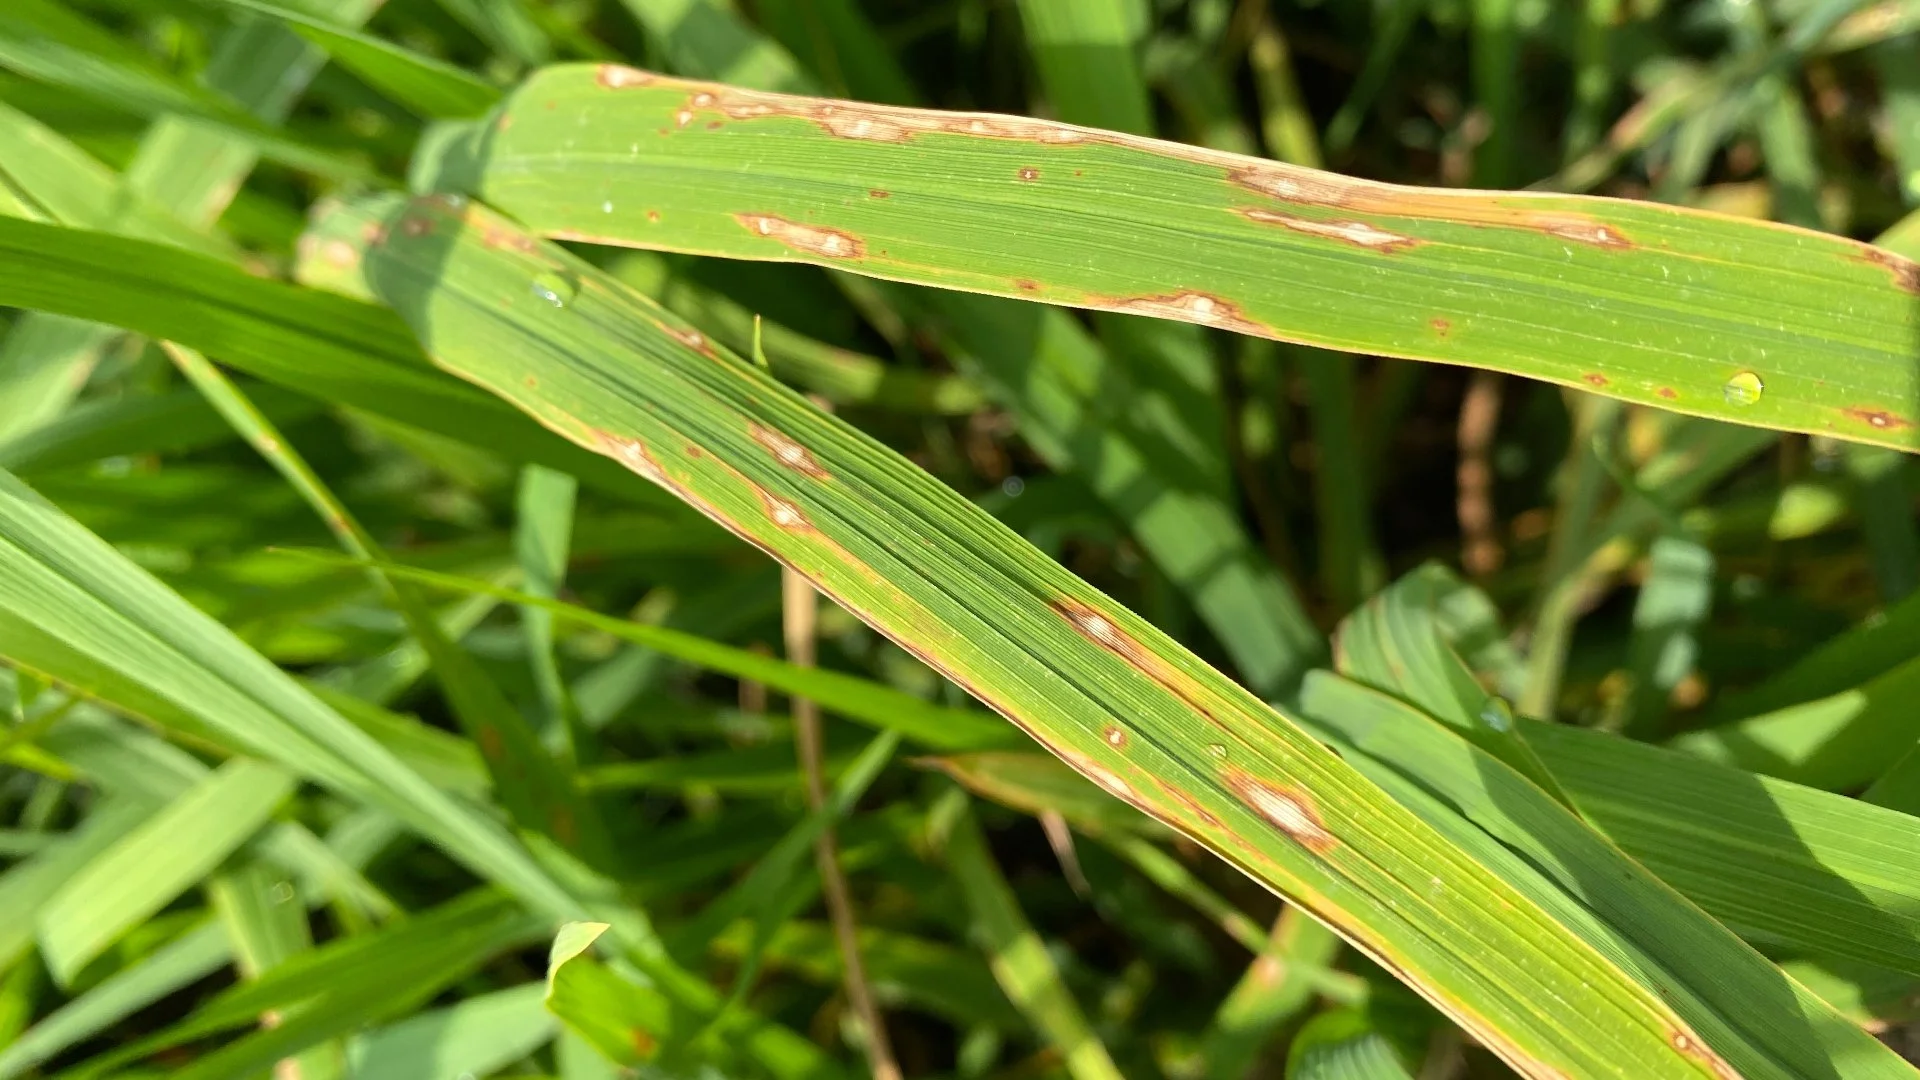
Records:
x=150, y=866
x=1275, y=989
x=1758, y=1022
x=1564, y=287
x=187, y=959
x=1018, y=957
x=428, y=87
x=1097, y=685
x=322, y=345
x=881, y=706
x=479, y=1036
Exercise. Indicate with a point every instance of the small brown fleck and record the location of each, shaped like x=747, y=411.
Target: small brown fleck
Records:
x=1668, y=392
x=715, y=125
x=644, y=1044
x=1443, y=327
x=653, y=215
x=693, y=450
x=876, y=193
x=1026, y=284
x=1029, y=173
x=1594, y=378
x=564, y=829
x=1358, y=233
x=1284, y=808
x=814, y=239
x=619, y=77
x=787, y=452
x=531, y=381
x=1877, y=418
x=1116, y=736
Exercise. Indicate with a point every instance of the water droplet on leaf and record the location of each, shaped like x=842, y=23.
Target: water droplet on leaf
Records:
x=1218, y=750
x=554, y=287
x=1496, y=714
x=1743, y=389
x=607, y=207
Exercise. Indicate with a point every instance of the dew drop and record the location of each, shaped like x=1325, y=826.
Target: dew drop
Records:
x=607, y=207
x=1013, y=486
x=1218, y=750
x=555, y=288
x=282, y=893
x=1496, y=714
x=1744, y=388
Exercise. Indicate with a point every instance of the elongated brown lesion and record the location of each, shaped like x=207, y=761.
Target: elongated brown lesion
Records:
x=812, y=239
x=787, y=452
x=1287, y=809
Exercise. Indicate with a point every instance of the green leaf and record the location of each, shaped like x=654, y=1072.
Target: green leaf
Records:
x=150, y=866
x=1100, y=687
x=1017, y=955
x=477, y=1037
x=427, y=87
x=1563, y=286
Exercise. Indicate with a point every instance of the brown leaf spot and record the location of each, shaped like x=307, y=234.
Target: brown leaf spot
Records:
x=1026, y=284
x=1906, y=272
x=1191, y=804
x=653, y=215
x=531, y=381
x=876, y=193
x=634, y=455
x=787, y=452
x=1029, y=173
x=1100, y=630
x=1283, y=808
x=1594, y=378
x=1103, y=776
x=1668, y=393
x=1692, y=1047
x=644, y=1044
x=692, y=339
x=1193, y=307
x=1358, y=233
x=783, y=513
x=1584, y=231
x=1292, y=184
x=1116, y=736
x=832, y=243
x=620, y=76
x=1442, y=327
x=883, y=123
x=1876, y=418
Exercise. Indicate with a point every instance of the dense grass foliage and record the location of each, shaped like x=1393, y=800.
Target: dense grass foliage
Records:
x=1311, y=539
